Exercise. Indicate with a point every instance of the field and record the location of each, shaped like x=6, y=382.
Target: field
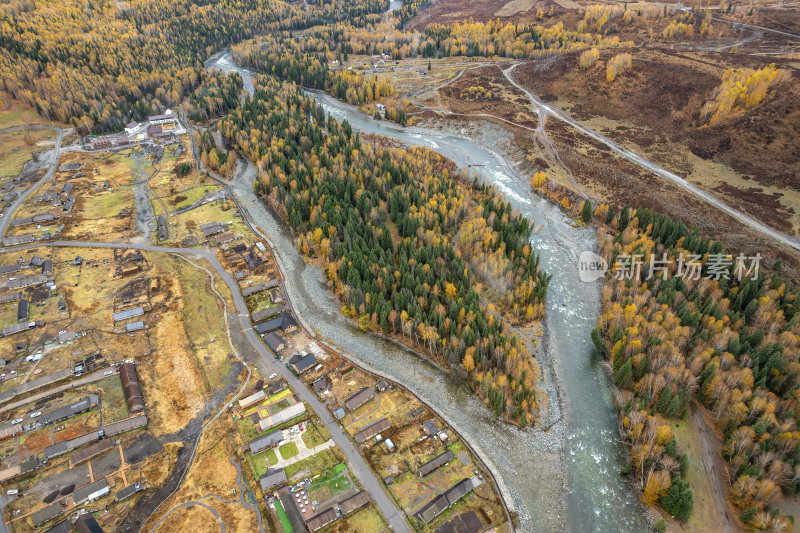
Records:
x=46, y=309
x=211, y=474
x=113, y=399
x=315, y=435
x=103, y=194
x=175, y=180
x=316, y=464
x=201, y=314
x=288, y=450
x=260, y=301
x=261, y=462
x=285, y=523
x=191, y=359
x=450, y=11
x=328, y=485
x=365, y=520
x=15, y=113
x=654, y=109
x=17, y=147
x=705, y=473
x=395, y=405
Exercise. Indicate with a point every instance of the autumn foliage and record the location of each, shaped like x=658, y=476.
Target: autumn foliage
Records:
x=589, y=57
x=740, y=90
x=99, y=64
x=731, y=345
x=616, y=65
x=411, y=248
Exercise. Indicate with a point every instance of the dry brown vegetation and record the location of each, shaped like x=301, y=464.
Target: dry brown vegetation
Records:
x=748, y=157
x=749, y=160
x=654, y=109
x=510, y=103
x=17, y=147
x=449, y=11
x=211, y=473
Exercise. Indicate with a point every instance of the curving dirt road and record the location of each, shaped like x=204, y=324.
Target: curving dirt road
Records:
x=9, y=214
x=191, y=504
x=748, y=26
x=545, y=108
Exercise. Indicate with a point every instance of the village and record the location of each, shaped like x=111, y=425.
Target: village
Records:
x=115, y=343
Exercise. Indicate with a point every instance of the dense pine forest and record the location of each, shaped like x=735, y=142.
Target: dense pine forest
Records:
x=216, y=95
x=410, y=247
x=719, y=333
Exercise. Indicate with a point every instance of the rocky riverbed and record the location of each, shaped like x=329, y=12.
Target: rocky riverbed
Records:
x=566, y=479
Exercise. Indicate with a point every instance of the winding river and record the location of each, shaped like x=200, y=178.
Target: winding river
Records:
x=565, y=479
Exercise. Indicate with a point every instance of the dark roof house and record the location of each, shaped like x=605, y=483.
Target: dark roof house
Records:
x=87, y=524
x=275, y=342
x=372, y=430
x=64, y=526
x=354, y=502
x=267, y=441
x=436, y=506
x=435, y=463
x=320, y=520
x=276, y=386
x=302, y=363
x=92, y=491
x=129, y=491
x=22, y=311
x=273, y=478
x=128, y=313
x=285, y=322
x=131, y=387
x=46, y=513
x=322, y=385
x=260, y=316
x=430, y=428
x=359, y=398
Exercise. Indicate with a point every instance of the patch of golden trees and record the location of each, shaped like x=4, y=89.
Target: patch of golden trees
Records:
x=740, y=90
x=616, y=65
x=477, y=93
x=589, y=57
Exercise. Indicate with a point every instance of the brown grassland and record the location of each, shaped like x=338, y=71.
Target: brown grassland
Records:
x=17, y=147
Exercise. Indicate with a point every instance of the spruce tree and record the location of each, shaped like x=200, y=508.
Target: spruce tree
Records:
x=664, y=399
x=623, y=377
x=624, y=218
x=679, y=500
x=599, y=343
x=586, y=212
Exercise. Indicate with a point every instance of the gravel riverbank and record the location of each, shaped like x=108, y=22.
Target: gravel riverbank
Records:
x=581, y=451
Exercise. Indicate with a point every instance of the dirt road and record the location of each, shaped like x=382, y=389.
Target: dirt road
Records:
x=544, y=108
x=9, y=214
x=358, y=465
x=714, y=467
